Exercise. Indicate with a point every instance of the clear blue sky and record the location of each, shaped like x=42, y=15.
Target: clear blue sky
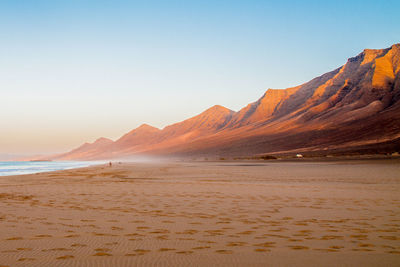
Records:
x=72, y=71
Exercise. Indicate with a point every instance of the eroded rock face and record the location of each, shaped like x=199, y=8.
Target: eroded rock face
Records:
x=355, y=104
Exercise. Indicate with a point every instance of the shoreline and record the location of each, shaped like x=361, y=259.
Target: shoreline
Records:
x=342, y=159
x=47, y=171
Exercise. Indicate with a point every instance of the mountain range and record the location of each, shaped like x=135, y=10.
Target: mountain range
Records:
x=352, y=109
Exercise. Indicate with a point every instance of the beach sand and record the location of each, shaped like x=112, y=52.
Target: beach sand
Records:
x=204, y=214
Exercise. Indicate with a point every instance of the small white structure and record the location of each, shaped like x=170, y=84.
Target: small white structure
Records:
x=299, y=155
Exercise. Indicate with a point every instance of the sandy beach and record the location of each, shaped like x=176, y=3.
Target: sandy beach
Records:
x=242, y=213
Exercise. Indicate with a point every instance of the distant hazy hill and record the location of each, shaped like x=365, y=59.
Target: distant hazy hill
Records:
x=353, y=108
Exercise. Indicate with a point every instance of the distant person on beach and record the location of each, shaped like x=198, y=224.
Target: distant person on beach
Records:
x=110, y=164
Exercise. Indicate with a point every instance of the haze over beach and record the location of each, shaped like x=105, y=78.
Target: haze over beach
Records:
x=209, y=133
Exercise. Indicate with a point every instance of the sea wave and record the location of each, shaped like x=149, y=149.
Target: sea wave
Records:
x=29, y=167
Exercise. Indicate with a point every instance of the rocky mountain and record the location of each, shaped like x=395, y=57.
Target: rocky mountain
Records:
x=87, y=150
x=354, y=108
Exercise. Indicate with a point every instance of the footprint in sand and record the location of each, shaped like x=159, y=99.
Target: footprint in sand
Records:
x=299, y=247
x=363, y=249
x=24, y=249
x=331, y=237
x=261, y=250
x=162, y=237
x=359, y=237
x=78, y=245
x=138, y=252
x=214, y=232
x=185, y=252
x=160, y=231
x=62, y=219
x=134, y=235
x=111, y=243
x=303, y=233
x=393, y=252
x=224, y=251
x=207, y=241
x=65, y=257
x=166, y=249
x=266, y=244
x=42, y=236
x=102, y=234
x=389, y=237
x=326, y=249
x=57, y=249
x=246, y=233
x=71, y=236
x=14, y=238
x=236, y=244
x=364, y=245
x=204, y=247
x=9, y=251
x=295, y=240
x=26, y=259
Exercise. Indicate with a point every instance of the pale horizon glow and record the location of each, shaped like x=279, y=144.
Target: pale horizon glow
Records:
x=75, y=71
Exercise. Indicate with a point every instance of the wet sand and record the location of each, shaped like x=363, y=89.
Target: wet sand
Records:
x=204, y=214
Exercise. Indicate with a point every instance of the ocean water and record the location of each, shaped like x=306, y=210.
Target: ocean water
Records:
x=27, y=167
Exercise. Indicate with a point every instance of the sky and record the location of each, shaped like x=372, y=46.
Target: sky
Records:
x=73, y=71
